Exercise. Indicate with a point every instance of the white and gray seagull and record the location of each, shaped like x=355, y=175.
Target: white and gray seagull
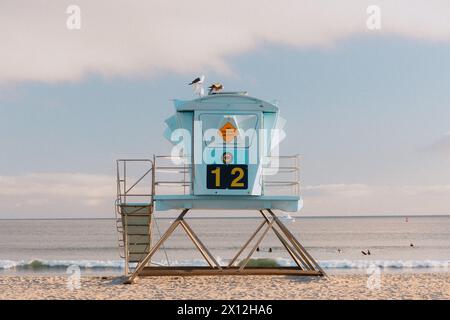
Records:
x=198, y=80
x=197, y=85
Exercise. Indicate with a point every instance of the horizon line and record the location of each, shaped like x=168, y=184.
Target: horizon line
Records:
x=249, y=217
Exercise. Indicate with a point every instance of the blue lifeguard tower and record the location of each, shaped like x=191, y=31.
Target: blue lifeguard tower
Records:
x=224, y=158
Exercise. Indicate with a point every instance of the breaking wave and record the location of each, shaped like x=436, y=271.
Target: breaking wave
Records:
x=47, y=264
x=326, y=264
x=387, y=264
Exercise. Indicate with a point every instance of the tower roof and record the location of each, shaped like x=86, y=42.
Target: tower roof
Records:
x=226, y=101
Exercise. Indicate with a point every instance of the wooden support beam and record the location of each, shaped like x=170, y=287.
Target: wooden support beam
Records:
x=208, y=271
x=246, y=244
x=269, y=226
x=294, y=255
x=313, y=264
x=141, y=265
x=200, y=246
x=306, y=265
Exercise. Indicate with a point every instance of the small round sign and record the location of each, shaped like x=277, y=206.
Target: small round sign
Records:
x=227, y=158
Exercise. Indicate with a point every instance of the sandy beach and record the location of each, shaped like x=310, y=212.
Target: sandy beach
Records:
x=392, y=286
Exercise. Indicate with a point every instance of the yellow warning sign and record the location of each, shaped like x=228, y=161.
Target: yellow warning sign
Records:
x=228, y=132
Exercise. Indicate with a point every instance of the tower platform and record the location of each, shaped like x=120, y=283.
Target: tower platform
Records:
x=284, y=203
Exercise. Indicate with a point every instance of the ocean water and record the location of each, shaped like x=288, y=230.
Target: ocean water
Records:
x=50, y=246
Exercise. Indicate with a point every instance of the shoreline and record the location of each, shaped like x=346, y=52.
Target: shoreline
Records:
x=106, y=272
x=342, y=286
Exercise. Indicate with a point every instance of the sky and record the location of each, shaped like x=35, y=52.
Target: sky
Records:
x=368, y=109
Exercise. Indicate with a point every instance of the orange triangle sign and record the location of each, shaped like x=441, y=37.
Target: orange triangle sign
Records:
x=228, y=132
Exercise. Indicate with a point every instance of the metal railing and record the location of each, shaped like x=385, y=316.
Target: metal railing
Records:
x=162, y=172
x=287, y=174
x=171, y=175
x=138, y=187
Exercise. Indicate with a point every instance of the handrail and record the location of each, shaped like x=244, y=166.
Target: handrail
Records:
x=287, y=174
x=182, y=170
x=139, y=180
x=122, y=191
x=293, y=168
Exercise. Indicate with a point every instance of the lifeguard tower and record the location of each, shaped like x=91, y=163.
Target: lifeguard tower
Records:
x=224, y=159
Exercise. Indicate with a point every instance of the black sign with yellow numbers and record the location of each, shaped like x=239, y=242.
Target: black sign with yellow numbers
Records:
x=226, y=176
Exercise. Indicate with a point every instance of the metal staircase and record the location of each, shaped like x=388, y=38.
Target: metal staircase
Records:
x=119, y=227
x=134, y=208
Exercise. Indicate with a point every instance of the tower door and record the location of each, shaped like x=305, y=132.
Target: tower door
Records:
x=227, y=153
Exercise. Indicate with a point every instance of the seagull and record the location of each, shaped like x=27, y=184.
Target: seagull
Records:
x=197, y=85
x=215, y=87
x=363, y=253
x=198, y=80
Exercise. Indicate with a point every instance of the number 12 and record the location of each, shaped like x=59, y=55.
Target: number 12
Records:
x=227, y=177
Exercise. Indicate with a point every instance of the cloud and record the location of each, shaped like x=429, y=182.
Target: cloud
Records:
x=339, y=190
x=364, y=190
x=62, y=195
x=56, y=184
x=144, y=38
x=441, y=146
x=57, y=195
x=360, y=199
